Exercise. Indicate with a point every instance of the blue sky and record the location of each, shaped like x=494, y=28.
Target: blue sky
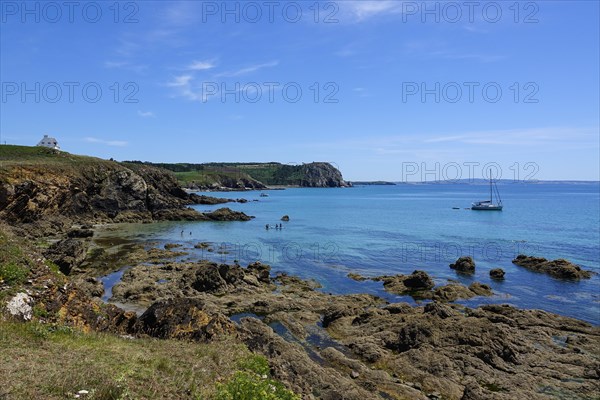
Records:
x=389, y=90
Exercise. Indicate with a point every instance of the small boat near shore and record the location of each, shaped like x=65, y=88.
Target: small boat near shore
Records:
x=264, y=195
x=489, y=205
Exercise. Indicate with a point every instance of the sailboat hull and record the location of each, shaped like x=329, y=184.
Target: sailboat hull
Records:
x=491, y=207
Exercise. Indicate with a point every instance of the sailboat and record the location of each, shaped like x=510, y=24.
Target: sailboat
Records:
x=488, y=205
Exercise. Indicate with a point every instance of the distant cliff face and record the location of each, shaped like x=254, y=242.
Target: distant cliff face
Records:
x=321, y=174
x=255, y=175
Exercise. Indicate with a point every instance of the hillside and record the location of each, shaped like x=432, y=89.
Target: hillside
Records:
x=253, y=175
x=57, y=188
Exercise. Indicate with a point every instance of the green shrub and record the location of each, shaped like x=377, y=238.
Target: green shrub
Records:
x=253, y=382
x=12, y=273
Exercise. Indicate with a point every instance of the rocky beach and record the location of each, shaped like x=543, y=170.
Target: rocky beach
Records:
x=318, y=345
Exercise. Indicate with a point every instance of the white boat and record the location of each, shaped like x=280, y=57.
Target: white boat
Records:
x=489, y=205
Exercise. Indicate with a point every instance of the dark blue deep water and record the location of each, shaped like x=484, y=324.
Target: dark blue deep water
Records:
x=375, y=230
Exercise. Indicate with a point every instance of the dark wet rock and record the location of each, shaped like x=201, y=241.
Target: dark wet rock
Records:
x=285, y=218
x=170, y=246
x=497, y=273
x=559, y=268
x=402, y=284
x=356, y=277
x=227, y=214
x=80, y=233
x=67, y=254
x=464, y=264
x=183, y=319
x=418, y=280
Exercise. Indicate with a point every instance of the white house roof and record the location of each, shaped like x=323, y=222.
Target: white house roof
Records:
x=48, y=141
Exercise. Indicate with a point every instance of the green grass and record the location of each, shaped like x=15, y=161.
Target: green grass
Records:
x=34, y=155
x=42, y=361
x=14, y=265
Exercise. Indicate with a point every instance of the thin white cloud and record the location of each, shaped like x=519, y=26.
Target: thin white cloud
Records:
x=360, y=10
x=247, y=70
x=180, y=81
x=146, y=114
x=183, y=86
x=345, y=53
x=114, y=143
x=138, y=68
x=519, y=137
x=201, y=65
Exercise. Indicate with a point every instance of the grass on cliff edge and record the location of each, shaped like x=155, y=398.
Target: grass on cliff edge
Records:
x=11, y=155
x=47, y=362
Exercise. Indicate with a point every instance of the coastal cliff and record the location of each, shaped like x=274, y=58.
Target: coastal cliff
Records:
x=39, y=184
x=236, y=176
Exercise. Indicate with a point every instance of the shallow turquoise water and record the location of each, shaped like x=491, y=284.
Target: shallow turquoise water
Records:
x=396, y=229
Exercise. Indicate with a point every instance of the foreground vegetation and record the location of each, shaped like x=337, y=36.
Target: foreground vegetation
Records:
x=53, y=362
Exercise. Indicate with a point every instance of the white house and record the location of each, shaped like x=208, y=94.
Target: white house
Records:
x=49, y=142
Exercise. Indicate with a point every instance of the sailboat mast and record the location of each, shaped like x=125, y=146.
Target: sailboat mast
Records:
x=491, y=198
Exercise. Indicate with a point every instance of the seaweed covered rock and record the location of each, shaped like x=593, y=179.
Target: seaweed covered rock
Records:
x=559, y=268
x=183, y=319
x=227, y=214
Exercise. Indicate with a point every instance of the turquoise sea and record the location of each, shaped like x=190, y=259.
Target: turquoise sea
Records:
x=376, y=230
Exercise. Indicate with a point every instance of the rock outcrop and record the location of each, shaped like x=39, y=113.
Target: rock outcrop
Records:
x=401, y=284
x=497, y=273
x=464, y=264
x=183, y=319
x=559, y=268
x=52, y=187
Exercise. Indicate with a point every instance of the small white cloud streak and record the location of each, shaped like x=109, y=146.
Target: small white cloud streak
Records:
x=247, y=70
x=361, y=10
x=146, y=114
x=114, y=143
x=201, y=65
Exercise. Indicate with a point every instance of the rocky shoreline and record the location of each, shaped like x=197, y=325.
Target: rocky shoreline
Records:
x=319, y=345
x=338, y=346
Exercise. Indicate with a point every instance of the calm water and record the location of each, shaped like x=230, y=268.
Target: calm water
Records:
x=395, y=229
